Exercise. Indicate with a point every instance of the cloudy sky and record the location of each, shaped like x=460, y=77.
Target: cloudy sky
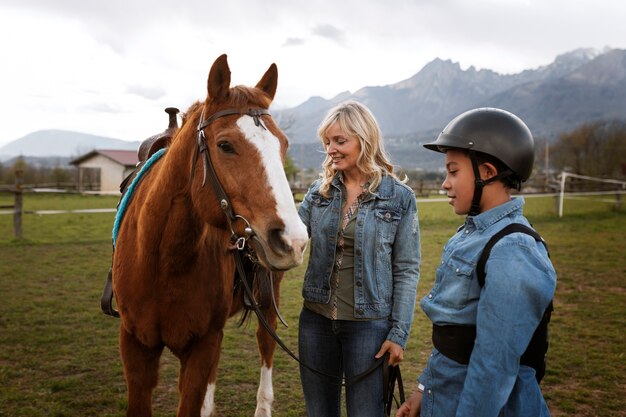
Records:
x=110, y=67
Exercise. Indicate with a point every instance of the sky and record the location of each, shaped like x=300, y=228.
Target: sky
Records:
x=110, y=67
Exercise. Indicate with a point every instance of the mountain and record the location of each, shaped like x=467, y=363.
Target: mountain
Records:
x=66, y=144
x=579, y=86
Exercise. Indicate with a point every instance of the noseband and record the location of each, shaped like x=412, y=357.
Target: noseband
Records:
x=209, y=170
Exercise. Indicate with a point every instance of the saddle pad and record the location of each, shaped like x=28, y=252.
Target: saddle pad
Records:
x=121, y=209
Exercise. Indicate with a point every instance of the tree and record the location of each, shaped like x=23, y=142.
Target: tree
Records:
x=291, y=169
x=286, y=123
x=594, y=149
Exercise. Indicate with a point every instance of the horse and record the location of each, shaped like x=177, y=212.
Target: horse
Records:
x=173, y=267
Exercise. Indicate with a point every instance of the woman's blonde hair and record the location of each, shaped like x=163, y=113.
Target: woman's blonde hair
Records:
x=358, y=121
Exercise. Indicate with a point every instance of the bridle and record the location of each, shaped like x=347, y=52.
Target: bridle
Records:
x=209, y=170
x=240, y=246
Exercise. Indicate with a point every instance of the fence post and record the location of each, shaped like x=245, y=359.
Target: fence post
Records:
x=618, y=201
x=562, y=193
x=17, y=208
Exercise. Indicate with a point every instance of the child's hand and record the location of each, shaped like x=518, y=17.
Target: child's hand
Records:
x=412, y=406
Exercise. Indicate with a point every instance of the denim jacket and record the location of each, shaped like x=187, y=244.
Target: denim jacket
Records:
x=519, y=284
x=386, y=252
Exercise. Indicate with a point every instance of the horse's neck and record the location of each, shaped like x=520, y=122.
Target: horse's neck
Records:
x=174, y=221
x=166, y=199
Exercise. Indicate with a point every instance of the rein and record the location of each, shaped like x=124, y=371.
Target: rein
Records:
x=240, y=244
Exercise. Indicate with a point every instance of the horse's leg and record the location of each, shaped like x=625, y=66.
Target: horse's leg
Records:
x=198, y=372
x=141, y=367
x=265, y=394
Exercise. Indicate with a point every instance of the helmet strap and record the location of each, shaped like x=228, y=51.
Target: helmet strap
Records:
x=479, y=184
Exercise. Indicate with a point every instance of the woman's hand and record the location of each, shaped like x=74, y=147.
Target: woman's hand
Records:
x=396, y=353
x=412, y=406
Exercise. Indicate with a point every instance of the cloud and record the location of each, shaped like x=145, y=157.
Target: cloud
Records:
x=100, y=108
x=150, y=93
x=330, y=32
x=294, y=42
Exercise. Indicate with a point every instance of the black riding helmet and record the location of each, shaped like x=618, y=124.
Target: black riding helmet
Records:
x=493, y=132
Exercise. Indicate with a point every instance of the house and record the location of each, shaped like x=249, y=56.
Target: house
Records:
x=104, y=169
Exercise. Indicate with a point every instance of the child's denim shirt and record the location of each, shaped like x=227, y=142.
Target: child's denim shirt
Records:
x=386, y=252
x=520, y=283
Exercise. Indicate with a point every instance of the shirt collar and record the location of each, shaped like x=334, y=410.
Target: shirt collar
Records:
x=509, y=209
x=384, y=191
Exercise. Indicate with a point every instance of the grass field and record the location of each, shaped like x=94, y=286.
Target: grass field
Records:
x=59, y=355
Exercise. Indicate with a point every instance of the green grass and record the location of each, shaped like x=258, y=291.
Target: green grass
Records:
x=59, y=354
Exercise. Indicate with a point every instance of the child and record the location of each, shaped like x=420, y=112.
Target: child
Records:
x=486, y=329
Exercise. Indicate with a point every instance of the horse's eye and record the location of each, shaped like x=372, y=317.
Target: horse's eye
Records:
x=226, y=147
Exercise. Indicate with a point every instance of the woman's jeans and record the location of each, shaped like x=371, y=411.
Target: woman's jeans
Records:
x=339, y=347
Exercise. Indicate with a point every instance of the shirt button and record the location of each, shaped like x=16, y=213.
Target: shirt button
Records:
x=467, y=231
x=317, y=201
x=430, y=391
x=358, y=252
x=430, y=296
x=387, y=215
x=458, y=270
x=441, y=262
x=358, y=283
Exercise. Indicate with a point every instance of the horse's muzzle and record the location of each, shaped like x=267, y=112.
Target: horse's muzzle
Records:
x=281, y=250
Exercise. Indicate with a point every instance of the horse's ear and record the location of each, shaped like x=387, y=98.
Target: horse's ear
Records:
x=269, y=81
x=219, y=79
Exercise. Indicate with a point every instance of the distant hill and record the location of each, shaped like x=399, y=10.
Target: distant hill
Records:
x=579, y=86
x=64, y=144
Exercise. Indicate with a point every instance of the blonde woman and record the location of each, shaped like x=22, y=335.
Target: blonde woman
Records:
x=360, y=283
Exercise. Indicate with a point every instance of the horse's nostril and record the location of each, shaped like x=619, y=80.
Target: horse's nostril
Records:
x=277, y=242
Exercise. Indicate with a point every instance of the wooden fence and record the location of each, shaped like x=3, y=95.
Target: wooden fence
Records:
x=17, y=191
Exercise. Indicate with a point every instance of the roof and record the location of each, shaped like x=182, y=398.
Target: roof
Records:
x=122, y=157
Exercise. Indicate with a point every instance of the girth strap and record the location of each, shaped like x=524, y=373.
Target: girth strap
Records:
x=106, y=301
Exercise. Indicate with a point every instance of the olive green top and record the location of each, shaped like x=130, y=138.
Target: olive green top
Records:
x=341, y=305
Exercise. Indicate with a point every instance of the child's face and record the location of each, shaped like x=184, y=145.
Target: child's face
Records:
x=459, y=182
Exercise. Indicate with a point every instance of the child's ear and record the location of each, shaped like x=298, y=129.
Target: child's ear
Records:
x=487, y=170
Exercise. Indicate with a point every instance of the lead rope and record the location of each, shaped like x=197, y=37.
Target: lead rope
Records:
x=209, y=172
x=391, y=374
x=240, y=245
x=270, y=330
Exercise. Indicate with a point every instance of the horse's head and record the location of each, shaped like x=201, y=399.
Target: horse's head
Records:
x=240, y=142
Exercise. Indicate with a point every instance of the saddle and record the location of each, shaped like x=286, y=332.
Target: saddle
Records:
x=160, y=141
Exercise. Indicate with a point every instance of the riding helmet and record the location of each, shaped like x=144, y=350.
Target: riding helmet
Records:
x=494, y=132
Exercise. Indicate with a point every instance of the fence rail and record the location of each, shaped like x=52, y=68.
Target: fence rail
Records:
x=17, y=191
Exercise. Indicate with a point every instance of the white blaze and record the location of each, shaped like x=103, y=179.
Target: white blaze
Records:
x=269, y=148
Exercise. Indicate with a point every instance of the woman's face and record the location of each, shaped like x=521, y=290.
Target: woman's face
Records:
x=342, y=148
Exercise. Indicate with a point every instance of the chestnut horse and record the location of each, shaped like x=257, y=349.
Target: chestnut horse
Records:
x=173, y=266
